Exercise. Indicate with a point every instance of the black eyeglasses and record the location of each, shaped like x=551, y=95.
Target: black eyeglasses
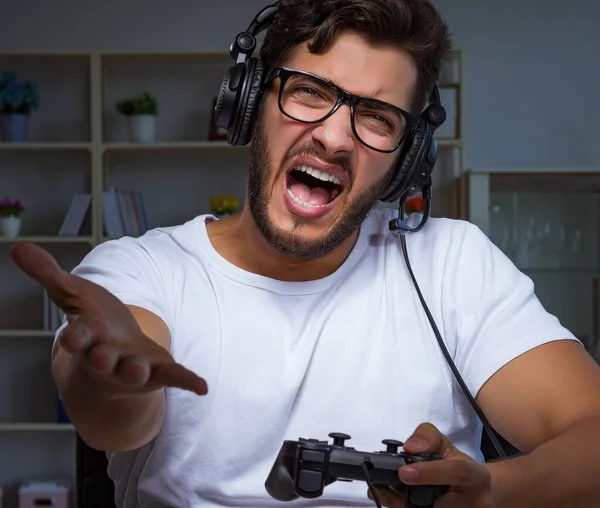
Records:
x=309, y=98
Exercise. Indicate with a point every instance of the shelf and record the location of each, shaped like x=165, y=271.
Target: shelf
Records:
x=27, y=146
x=36, y=427
x=170, y=145
x=206, y=56
x=53, y=55
x=449, y=142
x=48, y=239
x=27, y=334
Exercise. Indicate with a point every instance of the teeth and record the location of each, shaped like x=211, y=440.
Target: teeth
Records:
x=316, y=173
x=302, y=202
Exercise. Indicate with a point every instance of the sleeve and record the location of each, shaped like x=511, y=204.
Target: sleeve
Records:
x=126, y=268
x=497, y=314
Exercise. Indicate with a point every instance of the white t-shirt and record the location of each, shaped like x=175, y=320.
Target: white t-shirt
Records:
x=352, y=352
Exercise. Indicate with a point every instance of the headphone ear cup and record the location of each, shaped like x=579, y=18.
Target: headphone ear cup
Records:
x=409, y=166
x=226, y=100
x=245, y=112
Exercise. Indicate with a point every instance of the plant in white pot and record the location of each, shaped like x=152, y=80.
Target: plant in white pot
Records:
x=10, y=217
x=17, y=100
x=141, y=112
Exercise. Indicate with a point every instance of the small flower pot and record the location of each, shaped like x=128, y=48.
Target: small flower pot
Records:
x=14, y=127
x=10, y=227
x=142, y=128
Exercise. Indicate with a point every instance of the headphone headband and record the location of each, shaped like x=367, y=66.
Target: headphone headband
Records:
x=245, y=42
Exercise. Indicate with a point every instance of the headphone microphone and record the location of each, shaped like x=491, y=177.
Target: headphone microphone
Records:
x=399, y=226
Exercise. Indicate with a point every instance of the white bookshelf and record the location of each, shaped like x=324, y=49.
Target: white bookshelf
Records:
x=78, y=144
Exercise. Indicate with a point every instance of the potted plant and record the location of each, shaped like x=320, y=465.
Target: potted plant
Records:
x=17, y=100
x=221, y=206
x=10, y=217
x=141, y=112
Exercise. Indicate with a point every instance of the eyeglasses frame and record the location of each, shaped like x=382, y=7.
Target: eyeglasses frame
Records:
x=343, y=97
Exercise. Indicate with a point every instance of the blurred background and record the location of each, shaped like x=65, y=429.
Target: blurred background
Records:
x=106, y=130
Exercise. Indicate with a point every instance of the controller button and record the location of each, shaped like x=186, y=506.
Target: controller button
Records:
x=313, y=456
x=424, y=496
x=310, y=481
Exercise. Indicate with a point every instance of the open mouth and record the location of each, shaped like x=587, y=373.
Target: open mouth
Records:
x=312, y=188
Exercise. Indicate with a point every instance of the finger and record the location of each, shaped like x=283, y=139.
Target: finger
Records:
x=43, y=268
x=428, y=439
x=134, y=371
x=459, y=473
x=76, y=337
x=103, y=359
x=176, y=375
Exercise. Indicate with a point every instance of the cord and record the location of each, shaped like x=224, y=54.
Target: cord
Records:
x=366, y=467
x=493, y=438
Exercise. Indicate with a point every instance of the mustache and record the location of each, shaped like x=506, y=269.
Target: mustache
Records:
x=314, y=151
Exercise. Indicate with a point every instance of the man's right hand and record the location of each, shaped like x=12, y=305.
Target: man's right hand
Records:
x=102, y=333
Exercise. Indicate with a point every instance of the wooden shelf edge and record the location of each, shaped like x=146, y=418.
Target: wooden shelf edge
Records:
x=170, y=145
x=36, y=427
x=50, y=146
x=8, y=333
x=47, y=239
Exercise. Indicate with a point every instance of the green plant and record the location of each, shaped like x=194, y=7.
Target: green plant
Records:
x=17, y=96
x=142, y=104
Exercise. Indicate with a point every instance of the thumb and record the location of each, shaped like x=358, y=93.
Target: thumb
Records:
x=43, y=268
x=428, y=439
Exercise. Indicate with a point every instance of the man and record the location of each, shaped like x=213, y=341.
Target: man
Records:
x=191, y=353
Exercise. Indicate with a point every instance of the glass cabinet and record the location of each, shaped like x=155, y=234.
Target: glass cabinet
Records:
x=548, y=223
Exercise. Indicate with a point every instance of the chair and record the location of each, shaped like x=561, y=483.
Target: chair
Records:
x=94, y=487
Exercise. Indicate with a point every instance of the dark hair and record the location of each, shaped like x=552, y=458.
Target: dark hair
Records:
x=412, y=25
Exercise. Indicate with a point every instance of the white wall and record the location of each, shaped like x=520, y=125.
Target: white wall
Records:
x=531, y=67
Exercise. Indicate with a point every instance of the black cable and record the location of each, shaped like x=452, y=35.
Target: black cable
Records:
x=463, y=386
x=366, y=466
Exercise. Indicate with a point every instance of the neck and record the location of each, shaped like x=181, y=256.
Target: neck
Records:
x=237, y=239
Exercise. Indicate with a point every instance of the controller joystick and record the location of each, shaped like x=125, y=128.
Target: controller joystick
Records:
x=304, y=468
x=339, y=438
x=392, y=445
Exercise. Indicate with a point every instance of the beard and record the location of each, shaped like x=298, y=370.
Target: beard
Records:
x=293, y=243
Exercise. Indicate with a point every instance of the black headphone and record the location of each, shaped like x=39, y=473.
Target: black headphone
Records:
x=235, y=111
x=240, y=95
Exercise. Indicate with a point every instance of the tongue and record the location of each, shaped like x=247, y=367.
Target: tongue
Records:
x=316, y=196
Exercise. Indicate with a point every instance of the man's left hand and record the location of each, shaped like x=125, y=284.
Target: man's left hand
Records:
x=470, y=482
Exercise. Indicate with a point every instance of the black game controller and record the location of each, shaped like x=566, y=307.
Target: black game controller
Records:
x=304, y=468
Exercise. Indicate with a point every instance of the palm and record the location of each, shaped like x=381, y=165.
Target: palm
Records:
x=102, y=329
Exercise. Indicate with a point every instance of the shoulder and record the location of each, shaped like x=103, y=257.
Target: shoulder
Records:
x=442, y=240
x=149, y=262
x=161, y=246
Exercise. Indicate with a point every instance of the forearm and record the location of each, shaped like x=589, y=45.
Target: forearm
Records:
x=562, y=472
x=104, y=420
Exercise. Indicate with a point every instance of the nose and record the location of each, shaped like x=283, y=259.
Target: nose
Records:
x=334, y=134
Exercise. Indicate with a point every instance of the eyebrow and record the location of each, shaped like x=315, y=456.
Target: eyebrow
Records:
x=371, y=96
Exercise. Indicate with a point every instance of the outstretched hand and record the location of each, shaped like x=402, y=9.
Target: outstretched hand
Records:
x=102, y=332
x=470, y=482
